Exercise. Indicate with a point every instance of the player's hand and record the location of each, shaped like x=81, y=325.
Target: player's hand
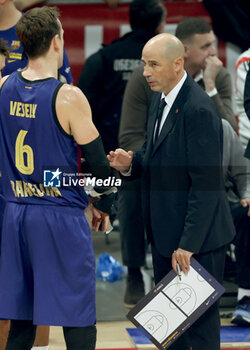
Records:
x=120, y=159
x=212, y=66
x=182, y=257
x=246, y=202
x=100, y=219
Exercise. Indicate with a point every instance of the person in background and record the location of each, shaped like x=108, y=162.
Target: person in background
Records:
x=241, y=69
x=105, y=73
x=202, y=63
x=237, y=184
x=233, y=15
x=247, y=107
x=247, y=95
x=113, y=3
x=4, y=53
x=9, y=15
x=103, y=80
x=132, y=135
x=185, y=209
x=24, y=4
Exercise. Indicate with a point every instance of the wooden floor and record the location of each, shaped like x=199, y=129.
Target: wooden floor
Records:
x=113, y=335
x=112, y=322
x=110, y=335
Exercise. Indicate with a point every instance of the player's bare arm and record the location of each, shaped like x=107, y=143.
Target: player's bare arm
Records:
x=74, y=114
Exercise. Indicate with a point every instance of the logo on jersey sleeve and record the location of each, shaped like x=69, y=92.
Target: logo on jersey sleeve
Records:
x=52, y=178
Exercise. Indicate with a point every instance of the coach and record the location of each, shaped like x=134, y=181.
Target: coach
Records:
x=185, y=207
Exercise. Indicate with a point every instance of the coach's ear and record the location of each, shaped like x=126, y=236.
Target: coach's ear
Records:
x=178, y=64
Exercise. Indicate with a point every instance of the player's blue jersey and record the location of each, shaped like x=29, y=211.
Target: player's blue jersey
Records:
x=17, y=60
x=35, y=150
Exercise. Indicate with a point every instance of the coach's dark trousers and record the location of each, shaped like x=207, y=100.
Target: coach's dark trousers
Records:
x=205, y=332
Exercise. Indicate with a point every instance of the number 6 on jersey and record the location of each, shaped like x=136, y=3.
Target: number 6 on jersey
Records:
x=20, y=150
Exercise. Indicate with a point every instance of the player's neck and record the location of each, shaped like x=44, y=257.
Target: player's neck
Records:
x=40, y=68
x=9, y=16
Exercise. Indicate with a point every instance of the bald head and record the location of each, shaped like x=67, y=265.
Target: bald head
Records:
x=163, y=58
x=167, y=45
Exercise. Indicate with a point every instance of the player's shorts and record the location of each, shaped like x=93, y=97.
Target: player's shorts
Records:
x=47, y=266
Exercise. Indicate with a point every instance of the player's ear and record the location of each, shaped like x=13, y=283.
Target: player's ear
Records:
x=56, y=42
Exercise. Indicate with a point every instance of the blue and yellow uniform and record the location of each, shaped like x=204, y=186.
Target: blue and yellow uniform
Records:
x=17, y=60
x=47, y=270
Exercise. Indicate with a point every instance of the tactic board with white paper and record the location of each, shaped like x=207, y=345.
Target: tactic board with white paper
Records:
x=173, y=305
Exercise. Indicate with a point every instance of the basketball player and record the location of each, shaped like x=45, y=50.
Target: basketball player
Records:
x=4, y=325
x=47, y=270
x=10, y=13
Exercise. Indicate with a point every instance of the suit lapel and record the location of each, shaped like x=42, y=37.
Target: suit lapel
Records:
x=167, y=127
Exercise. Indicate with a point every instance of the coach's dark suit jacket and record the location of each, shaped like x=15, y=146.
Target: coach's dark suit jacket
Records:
x=184, y=201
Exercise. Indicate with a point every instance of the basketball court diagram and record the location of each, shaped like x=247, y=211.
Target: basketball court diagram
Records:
x=173, y=302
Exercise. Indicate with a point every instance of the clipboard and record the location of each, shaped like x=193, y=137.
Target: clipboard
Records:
x=169, y=309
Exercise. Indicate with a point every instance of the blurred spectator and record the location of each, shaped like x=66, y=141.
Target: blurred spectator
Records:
x=247, y=107
x=103, y=80
x=112, y=3
x=241, y=69
x=230, y=21
x=247, y=94
x=9, y=15
x=4, y=53
x=24, y=4
x=237, y=183
x=204, y=66
x=132, y=135
x=106, y=72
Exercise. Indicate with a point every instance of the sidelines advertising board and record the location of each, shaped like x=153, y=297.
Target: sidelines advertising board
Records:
x=87, y=26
